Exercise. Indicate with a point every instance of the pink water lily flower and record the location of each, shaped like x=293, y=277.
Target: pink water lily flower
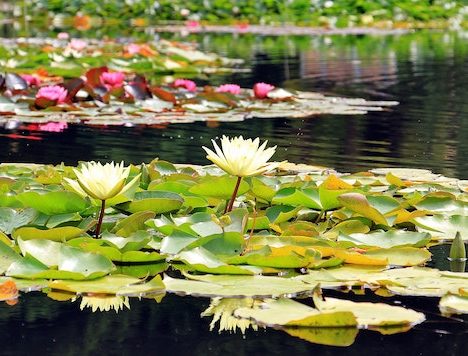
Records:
x=186, y=84
x=77, y=44
x=53, y=93
x=53, y=126
x=261, y=90
x=112, y=80
x=229, y=88
x=63, y=36
x=31, y=80
x=192, y=24
x=133, y=49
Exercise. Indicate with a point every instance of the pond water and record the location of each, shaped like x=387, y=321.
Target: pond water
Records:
x=425, y=72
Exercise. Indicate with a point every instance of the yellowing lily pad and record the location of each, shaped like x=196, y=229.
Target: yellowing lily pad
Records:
x=287, y=312
x=371, y=314
x=453, y=304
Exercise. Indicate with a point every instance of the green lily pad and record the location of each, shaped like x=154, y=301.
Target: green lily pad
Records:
x=287, y=312
x=142, y=256
x=296, y=197
x=114, y=284
x=7, y=257
x=63, y=233
x=388, y=239
x=45, y=251
x=155, y=201
x=443, y=227
x=53, y=203
x=236, y=286
x=443, y=204
x=10, y=219
x=219, y=187
x=132, y=223
x=359, y=204
x=401, y=256
x=203, y=260
x=73, y=263
x=142, y=270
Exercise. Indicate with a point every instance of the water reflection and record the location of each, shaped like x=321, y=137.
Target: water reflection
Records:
x=174, y=326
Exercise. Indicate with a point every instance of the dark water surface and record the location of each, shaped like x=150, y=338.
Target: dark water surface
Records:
x=426, y=72
x=41, y=326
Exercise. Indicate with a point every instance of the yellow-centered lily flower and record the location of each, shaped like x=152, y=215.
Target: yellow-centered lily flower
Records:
x=241, y=157
x=100, y=181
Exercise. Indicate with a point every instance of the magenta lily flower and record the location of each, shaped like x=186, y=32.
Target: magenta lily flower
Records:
x=53, y=93
x=63, y=36
x=77, y=44
x=261, y=90
x=112, y=80
x=53, y=126
x=31, y=80
x=133, y=49
x=229, y=88
x=185, y=84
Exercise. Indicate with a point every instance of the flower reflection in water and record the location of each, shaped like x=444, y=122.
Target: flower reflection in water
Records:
x=104, y=302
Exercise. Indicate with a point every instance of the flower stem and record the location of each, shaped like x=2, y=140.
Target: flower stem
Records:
x=233, y=197
x=101, y=216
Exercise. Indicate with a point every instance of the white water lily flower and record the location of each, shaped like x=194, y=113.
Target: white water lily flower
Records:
x=241, y=157
x=100, y=181
x=105, y=303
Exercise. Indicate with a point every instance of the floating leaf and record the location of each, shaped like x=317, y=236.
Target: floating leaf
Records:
x=220, y=187
x=359, y=204
x=133, y=242
x=132, y=223
x=387, y=239
x=296, y=197
x=401, y=256
x=203, y=260
x=236, y=286
x=442, y=227
x=7, y=257
x=45, y=251
x=63, y=233
x=453, y=304
x=11, y=218
x=115, y=284
x=287, y=312
x=359, y=258
x=155, y=201
x=371, y=314
x=52, y=203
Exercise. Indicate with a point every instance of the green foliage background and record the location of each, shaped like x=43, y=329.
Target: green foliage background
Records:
x=344, y=12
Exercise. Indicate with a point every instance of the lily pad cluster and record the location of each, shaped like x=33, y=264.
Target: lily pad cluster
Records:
x=69, y=57
x=114, y=83
x=133, y=100
x=293, y=233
